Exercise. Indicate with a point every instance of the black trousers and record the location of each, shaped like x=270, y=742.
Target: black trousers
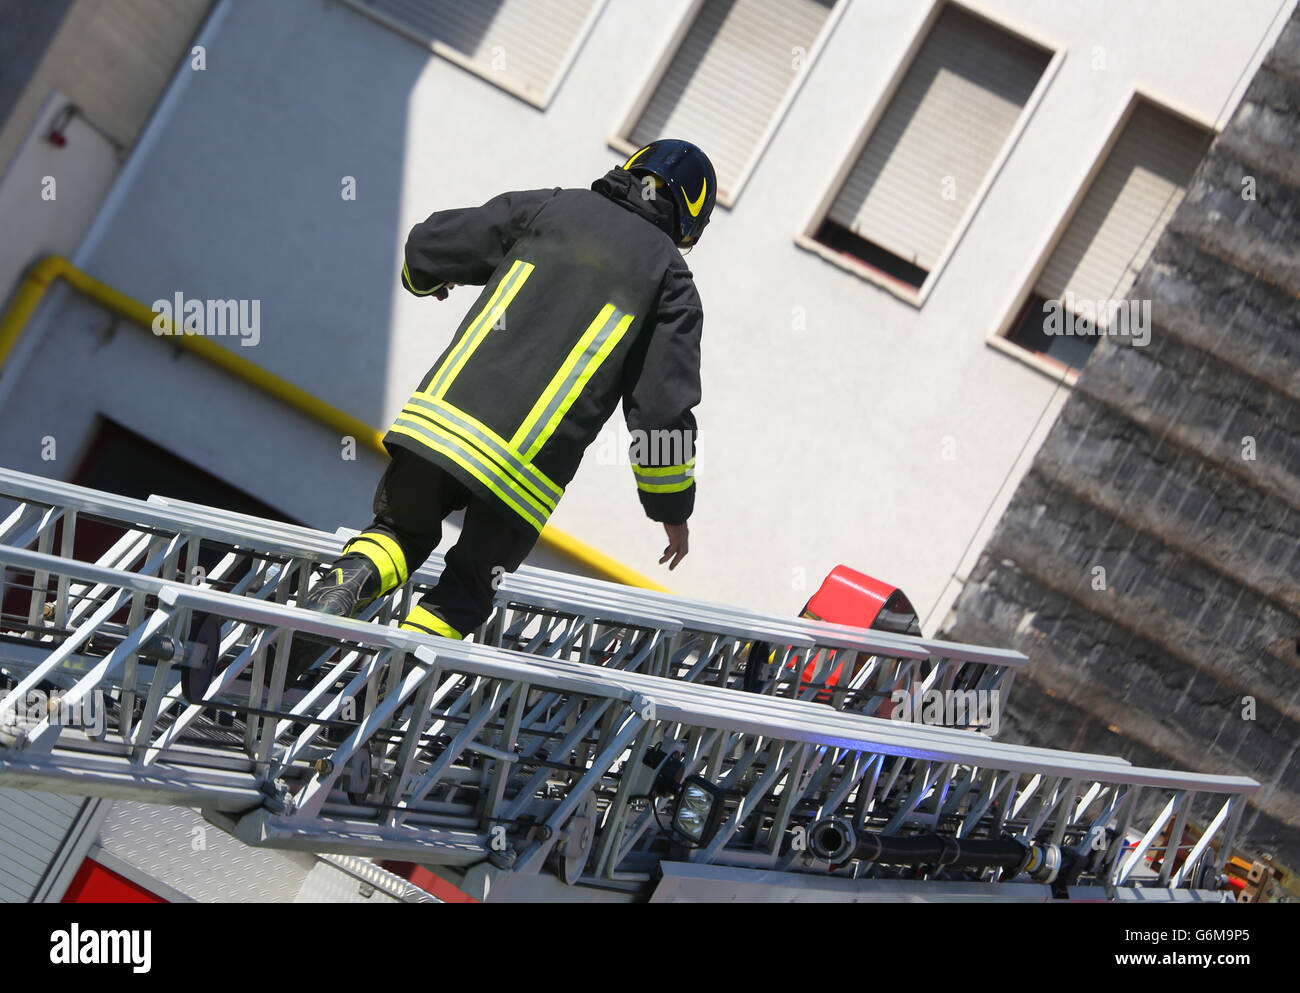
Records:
x=413, y=498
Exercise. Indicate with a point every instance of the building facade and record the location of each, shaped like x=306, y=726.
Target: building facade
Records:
x=905, y=189
x=1148, y=562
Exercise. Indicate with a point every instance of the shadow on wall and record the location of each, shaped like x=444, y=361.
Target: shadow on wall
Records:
x=274, y=183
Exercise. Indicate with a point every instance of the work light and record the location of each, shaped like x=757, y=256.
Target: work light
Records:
x=698, y=810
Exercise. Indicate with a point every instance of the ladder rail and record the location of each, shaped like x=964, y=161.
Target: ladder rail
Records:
x=481, y=751
x=294, y=547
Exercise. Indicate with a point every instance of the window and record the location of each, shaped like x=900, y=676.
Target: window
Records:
x=932, y=151
x=727, y=81
x=1110, y=236
x=523, y=46
x=115, y=60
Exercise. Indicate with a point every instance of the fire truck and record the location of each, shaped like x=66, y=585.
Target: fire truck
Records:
x=591, y=742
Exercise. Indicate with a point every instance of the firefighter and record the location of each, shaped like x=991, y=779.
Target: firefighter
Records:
x=586, y=299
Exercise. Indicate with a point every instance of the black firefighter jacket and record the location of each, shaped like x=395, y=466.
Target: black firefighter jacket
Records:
x=585, y=300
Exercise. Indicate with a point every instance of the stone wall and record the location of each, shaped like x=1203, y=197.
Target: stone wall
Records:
x=1148, y=562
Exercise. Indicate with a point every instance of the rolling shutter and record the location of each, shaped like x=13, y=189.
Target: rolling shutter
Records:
x=123, y=56
x=950, y=117
x=524, y=41
x=1137, y=190
x=32, y=831
x=728, y=77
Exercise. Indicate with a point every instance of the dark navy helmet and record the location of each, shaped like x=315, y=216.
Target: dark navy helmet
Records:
x=689, y=176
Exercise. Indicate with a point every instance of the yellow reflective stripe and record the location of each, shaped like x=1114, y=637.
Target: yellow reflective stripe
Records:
x=434, y=434
x=667, y=470
x=676, y=487
x=469, y=341
x=382, y=561
x=387, y=556
x=496, y=306
x=664, y=479
x=571, y=360
x=467, y=459
x=597, y=360
x=491, y=443
x=426, y=419
x=406, y=276
x=427, y=621
x=601, y=337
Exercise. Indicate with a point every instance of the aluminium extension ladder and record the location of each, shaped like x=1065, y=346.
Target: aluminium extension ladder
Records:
x=546, y=758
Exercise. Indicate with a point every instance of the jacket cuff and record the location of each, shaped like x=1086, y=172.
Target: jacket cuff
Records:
x=410, y=286
x=668, y=508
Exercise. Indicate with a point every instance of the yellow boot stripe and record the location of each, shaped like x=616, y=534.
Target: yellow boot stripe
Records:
x=427, y=621
x=393, y=549
x=382, y=561
x=385, y=553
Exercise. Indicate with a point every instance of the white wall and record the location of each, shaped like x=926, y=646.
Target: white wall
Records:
x=53, y=216
x=818, y=446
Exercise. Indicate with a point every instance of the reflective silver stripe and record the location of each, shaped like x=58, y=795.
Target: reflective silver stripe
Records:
x=642, y=481
x=504, y=291
x=680, y=469
x=576, y=373
x=546, y=492
x=467, y=456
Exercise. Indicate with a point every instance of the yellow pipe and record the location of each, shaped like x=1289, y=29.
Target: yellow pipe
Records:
x=53, y=267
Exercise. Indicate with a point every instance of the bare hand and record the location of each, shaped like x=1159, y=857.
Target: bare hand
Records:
x=677, y=544
x=442, y=293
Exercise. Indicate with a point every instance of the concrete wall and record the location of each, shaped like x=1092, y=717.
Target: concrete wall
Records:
x=817, y=446
x=1174, y=470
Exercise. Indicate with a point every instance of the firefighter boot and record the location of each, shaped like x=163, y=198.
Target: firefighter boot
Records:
x=427, y=622
x=351, y=583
